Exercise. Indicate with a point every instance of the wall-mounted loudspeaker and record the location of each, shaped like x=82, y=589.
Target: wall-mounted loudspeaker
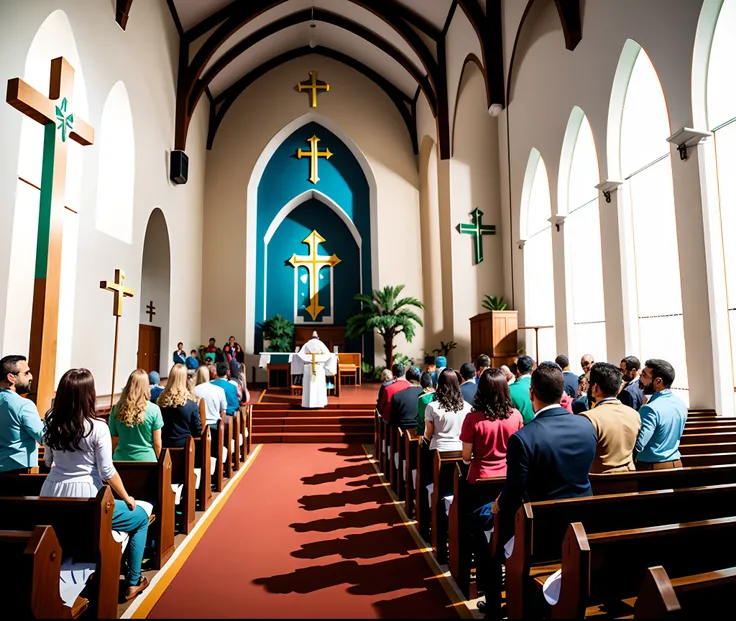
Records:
x=179, y=169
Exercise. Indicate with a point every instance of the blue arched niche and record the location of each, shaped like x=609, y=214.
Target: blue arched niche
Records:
x=341, y=179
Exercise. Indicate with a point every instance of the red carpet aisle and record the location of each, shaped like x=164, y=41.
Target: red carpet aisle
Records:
x=289, y=543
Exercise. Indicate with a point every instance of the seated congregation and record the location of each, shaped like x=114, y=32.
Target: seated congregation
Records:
x=556, y=494
x=114, y=487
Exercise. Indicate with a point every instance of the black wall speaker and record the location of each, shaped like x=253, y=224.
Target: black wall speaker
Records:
x=179, y=169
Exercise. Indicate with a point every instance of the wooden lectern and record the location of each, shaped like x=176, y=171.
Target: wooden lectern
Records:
x=494, y=334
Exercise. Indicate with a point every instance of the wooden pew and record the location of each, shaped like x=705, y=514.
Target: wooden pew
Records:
x=382, y=444
x=30, y=575
x=235, y=444
x=182, y=473
x=708, y=459
x=401, y=469
x=699, y=596
x=411, y=440
x=424, y=468
x=149, y=481
x=701, y=449
x=540, y=528
x=459, y=529
x=152, y=483
x=202, y=461
x=248, y=418
x=393, y=467
x=442, y=478
x=607, y=567
x=83, y=527
x=376, y=438
x=229, y=435
x=672, y=478
x=218, y=447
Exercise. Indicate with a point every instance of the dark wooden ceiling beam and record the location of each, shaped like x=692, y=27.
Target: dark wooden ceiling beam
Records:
x=224, y=101
x=572, y=27
x=418, y=21
x=122, y=11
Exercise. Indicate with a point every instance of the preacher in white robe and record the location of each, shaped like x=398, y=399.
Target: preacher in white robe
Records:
x=314, y=381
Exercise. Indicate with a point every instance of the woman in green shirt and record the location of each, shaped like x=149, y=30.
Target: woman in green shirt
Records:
x=424, y=399
x=135, y=422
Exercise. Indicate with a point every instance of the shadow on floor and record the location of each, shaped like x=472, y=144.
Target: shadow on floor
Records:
x=348, y=472
x=372, y=544
x=350, y=519
x=341, y=499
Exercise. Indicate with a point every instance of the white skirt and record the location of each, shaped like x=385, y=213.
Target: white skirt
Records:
x=73, y=487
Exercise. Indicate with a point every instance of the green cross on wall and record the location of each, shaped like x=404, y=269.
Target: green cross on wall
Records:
x=66, y=121
x=477, y=229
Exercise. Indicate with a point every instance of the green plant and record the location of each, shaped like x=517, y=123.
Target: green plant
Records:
x=371, y=373
x=445, y=348
x=279, y=331
x=387, y=314
x=494, y=303
x=403, y=360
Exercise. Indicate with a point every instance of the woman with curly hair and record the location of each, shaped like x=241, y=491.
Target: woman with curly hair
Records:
x=179, y=409
x=443, y=417
x=135, y=423
x=485, y=437
x=78, y=449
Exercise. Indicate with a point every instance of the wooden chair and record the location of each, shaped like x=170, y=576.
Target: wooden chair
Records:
x=83, y=527
x=607, y=567
x=30, y=575
x=443, y=480
x=349, y=365
x=182, y=473
x=699, y=596
x=540, y=528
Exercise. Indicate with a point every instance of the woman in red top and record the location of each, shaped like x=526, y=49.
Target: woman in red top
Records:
x=485, y=437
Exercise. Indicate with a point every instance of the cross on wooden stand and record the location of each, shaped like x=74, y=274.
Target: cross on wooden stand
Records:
x=477, y=229
x=48, y=111
x=313, y=154
x=314, y=263
x=312, y=85
x=151, y=310
x=120, y=292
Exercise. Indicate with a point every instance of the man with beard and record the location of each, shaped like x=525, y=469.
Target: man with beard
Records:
x=21, y=428
x=662, y=419
x=632, y=393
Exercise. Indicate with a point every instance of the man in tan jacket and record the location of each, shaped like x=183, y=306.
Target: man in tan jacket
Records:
x=616, y=425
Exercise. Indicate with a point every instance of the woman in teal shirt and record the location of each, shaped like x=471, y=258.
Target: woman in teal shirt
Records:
x=135, y=422
x=428, y=396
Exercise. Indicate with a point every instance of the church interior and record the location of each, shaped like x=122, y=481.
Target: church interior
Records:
x=450, y=287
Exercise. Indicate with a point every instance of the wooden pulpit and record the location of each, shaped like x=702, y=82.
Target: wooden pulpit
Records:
x=495, y=334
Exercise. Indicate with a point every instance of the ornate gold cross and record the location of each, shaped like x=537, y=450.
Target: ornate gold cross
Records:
x=119, y=292
x=56, y=114
x=314, y=154
x=314, y=365
x=313, y=85
x=314, y=263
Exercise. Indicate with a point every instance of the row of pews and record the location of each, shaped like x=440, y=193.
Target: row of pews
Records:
x=648, y=544
x=47, y=544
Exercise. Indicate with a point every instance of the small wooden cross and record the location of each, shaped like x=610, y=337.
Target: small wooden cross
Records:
x=119, y=292
x=312, y=85
x=313, y=154
x=151, y=310
x=477, y=229
x=56, y=114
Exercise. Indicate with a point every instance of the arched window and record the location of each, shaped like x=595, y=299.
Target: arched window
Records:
x=54, y=38
x=645, y=162
x=721, y=110
x=539, y=285
x=583, y=239
x=116, y=172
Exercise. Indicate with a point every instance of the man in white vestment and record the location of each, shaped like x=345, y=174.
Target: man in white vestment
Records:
x=315, y=362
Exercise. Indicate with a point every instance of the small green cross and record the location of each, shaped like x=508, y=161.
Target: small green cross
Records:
x=477, y=230
x=66, y=121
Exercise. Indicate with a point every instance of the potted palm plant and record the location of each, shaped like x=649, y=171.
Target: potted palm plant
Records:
x=279, y=332
x=388, y=314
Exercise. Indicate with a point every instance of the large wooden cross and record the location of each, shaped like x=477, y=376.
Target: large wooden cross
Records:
x=314, y=262
x=56, y=114
x=120, y=292
x=313, y=85
x=314, y=154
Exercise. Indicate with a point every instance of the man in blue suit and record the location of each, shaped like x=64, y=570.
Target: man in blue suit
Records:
x=551, y=456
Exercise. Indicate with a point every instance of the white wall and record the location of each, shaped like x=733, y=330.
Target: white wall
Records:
x=368, y=117
x=145, y=58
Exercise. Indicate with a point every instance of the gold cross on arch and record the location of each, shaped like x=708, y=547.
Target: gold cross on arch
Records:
x=312, y=85
x=314, y=153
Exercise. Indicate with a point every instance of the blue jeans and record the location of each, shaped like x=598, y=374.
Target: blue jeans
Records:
x=135, y=523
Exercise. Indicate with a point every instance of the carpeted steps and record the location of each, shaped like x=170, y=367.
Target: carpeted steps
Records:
x=285, y=422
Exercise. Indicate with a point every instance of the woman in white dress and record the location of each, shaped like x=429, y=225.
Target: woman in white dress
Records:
x=78, y=449
x=444, y=416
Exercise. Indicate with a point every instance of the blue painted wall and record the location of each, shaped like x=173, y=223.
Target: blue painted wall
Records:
x=342, y=180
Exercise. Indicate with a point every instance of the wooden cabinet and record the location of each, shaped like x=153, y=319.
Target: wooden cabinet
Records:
x=494, y=334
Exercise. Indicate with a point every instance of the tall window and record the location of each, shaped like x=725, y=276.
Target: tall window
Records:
x=538, y=267
x=721, y=103
x=645, y=162
x=583, y=232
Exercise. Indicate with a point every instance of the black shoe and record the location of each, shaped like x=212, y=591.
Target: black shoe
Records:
x=482, y=607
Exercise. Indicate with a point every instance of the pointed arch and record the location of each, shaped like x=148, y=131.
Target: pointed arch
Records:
x=53, y=38
x=252, y=203
x=704, y=41
x=115, y=200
